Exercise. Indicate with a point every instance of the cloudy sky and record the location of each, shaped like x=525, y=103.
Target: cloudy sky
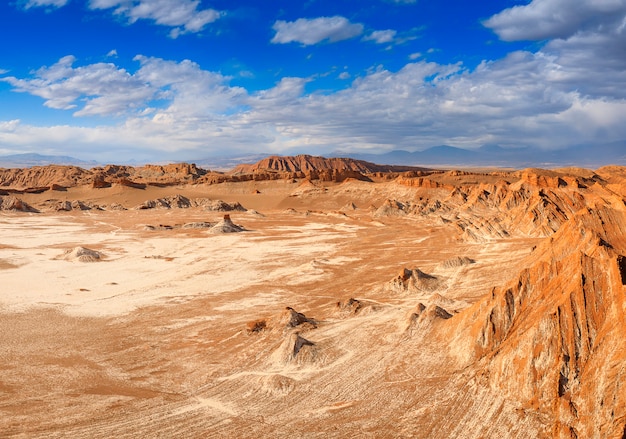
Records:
x=170, y=80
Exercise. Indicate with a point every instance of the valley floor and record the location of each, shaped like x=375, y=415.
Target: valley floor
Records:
x=154, y=340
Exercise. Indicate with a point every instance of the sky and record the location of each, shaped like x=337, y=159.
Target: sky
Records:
x=178, y=80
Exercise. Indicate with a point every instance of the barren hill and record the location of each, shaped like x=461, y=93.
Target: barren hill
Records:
x=40, y=178
x=307, y=163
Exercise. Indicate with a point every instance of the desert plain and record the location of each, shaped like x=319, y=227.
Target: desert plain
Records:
x=303, y=302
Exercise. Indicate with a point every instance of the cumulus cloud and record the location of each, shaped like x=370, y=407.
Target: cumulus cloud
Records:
x=189, y=90
x=105, y=89
x=101, y=88
x=521, y=99
x=184, y=16
x=586, y=41
x=550, y=19
x=381, y=36
x=312, y=31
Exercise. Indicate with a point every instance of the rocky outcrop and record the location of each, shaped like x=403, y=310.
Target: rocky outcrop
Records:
x=313, y=164
x=422, y=182
x=68, y=206
x=271, y=168
x=55, y=177
x=175, y=201
x=484, y=207
x=43, y=177
x=15, y=204
x=226, y=225
x=413, y=281
x=295, y=318
x=219, y=205
x=82, y=254
x=154, y=175
x=181, y=202
x=553, y=338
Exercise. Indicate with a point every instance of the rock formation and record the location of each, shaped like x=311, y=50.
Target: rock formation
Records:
x=414, y=281
x=553, y=337
x=319, y=165
x=226, y=226
x=295, y=318
x=16, y=204
x=82, y=254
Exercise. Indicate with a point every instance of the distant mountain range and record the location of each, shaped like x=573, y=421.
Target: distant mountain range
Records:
x=588, y=156
x=32, y=159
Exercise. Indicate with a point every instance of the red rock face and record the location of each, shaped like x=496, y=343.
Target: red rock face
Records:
x=42, y=176
x=308, y=164
x=553, y=337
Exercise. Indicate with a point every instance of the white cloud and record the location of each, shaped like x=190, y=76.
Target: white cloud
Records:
x=313, y=31
x=104, y=89
x=184, y=16
x=572, y=90
x=112, y=54
x=587, y=46
x=381, y=36
x=550, y=19
x=39, y=3
x=189, y=90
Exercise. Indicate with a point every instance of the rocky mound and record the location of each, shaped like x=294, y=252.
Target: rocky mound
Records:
x=56, y=177
x=392, y=208
x=297, y=350
x=353, y=307
x=182, y=202
x=292, y=318
x=226, y=226
x=15, y=204
x=220, y=206
x=350, y=207
x=82, y=254
x=414, y=281
x=175, y=201
x=67, y=206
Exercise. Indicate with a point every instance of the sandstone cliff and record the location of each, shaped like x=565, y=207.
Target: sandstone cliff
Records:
x=307, y=163
x=552, y=338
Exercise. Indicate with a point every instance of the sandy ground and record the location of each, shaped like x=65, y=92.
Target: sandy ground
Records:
x=152, y=340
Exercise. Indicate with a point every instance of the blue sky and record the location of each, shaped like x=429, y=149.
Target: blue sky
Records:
x=174, y=80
